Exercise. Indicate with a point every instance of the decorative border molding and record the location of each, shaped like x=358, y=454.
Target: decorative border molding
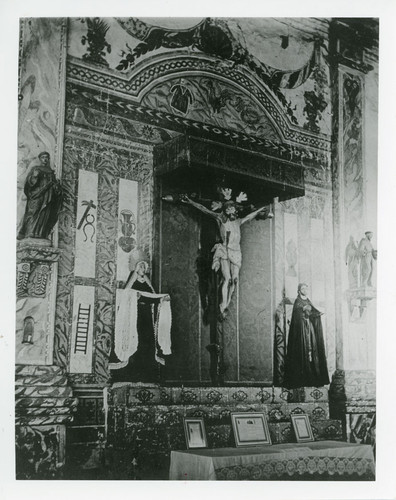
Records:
x=106, y=140
x=37, y=253
x=120, y=106
x=157, y=69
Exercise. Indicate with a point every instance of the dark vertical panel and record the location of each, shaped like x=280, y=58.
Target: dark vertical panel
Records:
x=205, y=356
x=207, y=287
x=180, y=244
x=230, y=341
x=255, y=304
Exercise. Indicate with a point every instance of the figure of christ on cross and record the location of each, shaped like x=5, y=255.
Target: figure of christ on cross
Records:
x=227, y=256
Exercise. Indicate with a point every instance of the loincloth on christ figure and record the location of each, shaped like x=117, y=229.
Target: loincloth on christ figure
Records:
x=222, y=252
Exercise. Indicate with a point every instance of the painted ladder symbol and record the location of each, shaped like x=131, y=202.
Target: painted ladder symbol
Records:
x=82, y=329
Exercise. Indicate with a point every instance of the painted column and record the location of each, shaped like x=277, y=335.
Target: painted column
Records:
x=354, y=210
x=43, y=402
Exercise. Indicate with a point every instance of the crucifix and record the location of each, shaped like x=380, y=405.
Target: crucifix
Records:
x=227, y=255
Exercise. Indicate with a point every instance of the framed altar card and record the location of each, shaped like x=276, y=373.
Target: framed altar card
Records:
x=250, y=429
x=194, y=429
x=302, y=428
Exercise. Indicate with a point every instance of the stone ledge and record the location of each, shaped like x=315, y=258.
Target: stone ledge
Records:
x=29, y=251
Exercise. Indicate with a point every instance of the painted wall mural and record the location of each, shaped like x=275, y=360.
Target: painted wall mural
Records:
x=212, y=101
x=81, y=343
x=86, y=219
x=294, y=70
x=118, y=126
x=128, y=210
x=317, y=100
x=311, y=151
x=352, y=152
x=225, y=40
x=359, y=307
x=40, y=95
x=304, y=226
x=97, y=155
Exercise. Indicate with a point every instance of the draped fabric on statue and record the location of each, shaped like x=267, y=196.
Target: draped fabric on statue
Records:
x=142, y=334
x=306, y=364
x=126, y=337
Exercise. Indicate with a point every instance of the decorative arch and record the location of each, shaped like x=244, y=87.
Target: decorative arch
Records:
x=213, y=46
x=152, y=71
x=212, y=99
x=127, y=91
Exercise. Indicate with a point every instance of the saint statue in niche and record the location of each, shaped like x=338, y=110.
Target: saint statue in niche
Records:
x=44, y=200
x=367, y=256
x=142, y=329
x=227, y=256
x=305, y=364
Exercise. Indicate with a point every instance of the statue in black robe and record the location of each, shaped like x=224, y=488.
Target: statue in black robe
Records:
x=306, y=364
x=44, y=200
x=143, y=365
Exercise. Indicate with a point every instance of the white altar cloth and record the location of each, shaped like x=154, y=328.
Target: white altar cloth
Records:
x=282, y=461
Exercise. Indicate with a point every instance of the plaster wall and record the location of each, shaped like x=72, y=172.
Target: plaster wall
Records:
x=40, y=128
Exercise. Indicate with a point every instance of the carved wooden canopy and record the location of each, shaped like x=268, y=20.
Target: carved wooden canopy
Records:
x=193, y=163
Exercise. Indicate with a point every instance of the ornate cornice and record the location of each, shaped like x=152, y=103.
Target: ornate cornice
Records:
x=95, y=98
x=107, y=140
x=158, y=69
x=37, y=252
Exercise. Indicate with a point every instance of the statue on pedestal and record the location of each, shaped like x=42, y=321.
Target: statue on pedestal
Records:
x=44, y=200
x=367, y=257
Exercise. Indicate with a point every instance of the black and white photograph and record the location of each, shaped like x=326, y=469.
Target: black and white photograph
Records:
x=302, y=428
x=250, y=429
x=197, y=248
x=194, y=429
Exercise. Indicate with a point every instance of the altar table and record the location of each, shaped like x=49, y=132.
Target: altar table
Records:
x=320, y=460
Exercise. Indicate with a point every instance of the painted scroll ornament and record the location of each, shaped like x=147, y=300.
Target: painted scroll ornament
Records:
x=23, y=276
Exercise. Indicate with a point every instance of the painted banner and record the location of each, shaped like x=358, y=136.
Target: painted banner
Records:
x=291, y=254
x=127, y=225
x=82, y=329
x=317, y=262
x=86, y=224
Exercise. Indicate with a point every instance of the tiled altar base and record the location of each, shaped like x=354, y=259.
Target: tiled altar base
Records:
x=145, y=422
